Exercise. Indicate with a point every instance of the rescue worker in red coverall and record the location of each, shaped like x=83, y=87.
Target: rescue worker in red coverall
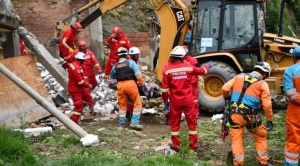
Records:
x=291, y=87
x=89, y=63
x=177, y=76
x=66, y=44
x=244, y=112
x=134, y=53
x=76, y=85
x=193, y=61
x=127, y=74
x=22, y=47
x=115, y=41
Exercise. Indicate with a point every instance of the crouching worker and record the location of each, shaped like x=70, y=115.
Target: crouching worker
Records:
x=76, y=85
x=126, y=72
x=248, y=92
x=177, y=86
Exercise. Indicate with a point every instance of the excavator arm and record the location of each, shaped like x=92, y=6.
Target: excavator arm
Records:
x=173, y=16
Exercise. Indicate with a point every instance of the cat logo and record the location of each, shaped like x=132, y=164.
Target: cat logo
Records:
x=179, y=15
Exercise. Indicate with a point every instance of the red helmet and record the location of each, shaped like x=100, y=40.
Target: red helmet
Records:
x=116, y=30
x=77, y=26
x=82, y=43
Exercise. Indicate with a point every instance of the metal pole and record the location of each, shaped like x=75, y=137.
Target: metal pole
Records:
x=43, y=102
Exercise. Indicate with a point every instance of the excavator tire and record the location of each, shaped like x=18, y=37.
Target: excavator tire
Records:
x=210, y=97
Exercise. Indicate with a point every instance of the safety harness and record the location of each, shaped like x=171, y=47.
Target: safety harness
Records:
x=241, y=108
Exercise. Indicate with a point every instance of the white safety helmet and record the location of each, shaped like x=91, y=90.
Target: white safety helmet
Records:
x=178, y=52
x=185, y=48
x=134, y=50
x=122, y=51
x=264, y=66
x=80, y=55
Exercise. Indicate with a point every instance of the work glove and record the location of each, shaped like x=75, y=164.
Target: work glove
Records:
x=167, y=106
x=269, y=125
x=210, y=64
x=71, y=50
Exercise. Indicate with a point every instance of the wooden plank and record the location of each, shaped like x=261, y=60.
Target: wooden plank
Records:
x=17, y=108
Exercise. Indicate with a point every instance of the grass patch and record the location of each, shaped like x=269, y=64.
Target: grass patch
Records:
x=15, y=148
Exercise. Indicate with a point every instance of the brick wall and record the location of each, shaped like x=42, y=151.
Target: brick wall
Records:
x=140, y=40
x=40, y=16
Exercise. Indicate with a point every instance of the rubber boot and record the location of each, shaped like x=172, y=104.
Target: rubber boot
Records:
x=167, y=119
x=137, y=126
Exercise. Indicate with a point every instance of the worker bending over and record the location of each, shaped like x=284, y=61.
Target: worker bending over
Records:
x=76, y=85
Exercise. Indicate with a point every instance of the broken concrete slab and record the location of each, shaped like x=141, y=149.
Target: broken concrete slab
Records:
x=8, y=19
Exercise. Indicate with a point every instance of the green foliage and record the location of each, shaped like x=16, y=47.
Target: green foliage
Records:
x=14, y=148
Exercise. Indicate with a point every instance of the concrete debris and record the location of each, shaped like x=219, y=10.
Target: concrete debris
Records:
x=217, y=117
x=34, y=131
x=149, y=111
x=90, y=140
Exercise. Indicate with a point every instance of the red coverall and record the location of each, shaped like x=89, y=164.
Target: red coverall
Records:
x=114, y=45
x=22, y=47
x=76, y=85
x=256, y=94
x=177, y=78
x=291, y=87
x=87, y=66
x=71, y=37
x=193, y=61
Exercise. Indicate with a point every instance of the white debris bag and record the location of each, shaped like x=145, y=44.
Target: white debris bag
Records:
x=90, y=140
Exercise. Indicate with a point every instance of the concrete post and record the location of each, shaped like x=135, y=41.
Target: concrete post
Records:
x=97, y=36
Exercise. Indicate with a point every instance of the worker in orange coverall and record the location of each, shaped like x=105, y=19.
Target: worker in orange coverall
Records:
x=76, y=85
x=244, y=111
x=127, y=73
x=117, y=39
x=177, y=76
x=134, y=54
x=89, y=63
x=66, y=44
x=291, y=87
x=193, y=61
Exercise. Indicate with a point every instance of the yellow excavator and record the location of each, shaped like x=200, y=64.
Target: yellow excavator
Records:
x=230, y=33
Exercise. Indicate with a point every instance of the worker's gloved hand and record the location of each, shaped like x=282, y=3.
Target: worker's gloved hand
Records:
x=210, y=64
x=269, y=125
x=167, y=106
x=90, y=86
x=71, y=50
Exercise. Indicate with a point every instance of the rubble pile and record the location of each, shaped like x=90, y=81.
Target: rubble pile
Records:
x=105, y=98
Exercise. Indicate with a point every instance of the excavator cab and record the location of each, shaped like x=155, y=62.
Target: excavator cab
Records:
x=231, y=34
x=231, y=27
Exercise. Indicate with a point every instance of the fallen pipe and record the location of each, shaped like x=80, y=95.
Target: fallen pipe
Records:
x=43, y=102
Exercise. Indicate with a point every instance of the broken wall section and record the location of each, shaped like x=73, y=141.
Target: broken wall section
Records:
x=16, y=106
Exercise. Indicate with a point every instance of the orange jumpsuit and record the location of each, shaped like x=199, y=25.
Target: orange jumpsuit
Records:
x=126, y=72
x=256, y=95
x=291, y=87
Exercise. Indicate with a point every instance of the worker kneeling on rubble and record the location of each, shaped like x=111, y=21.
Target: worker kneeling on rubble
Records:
x=247, y=92
x=126, y=72
x=177, y=87
x=76, y=85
